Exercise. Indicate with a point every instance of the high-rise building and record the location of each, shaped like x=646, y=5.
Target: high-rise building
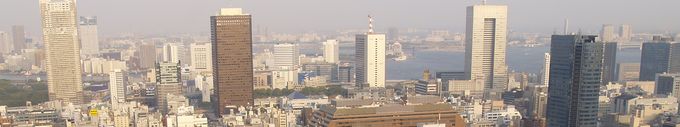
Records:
x=370, y=60
x=286, y=56
x=232, y=59
x=117, y=86
x=628, y=72
x=171, y=53
x=655, y=59
x=668, y=84
x=575, y=79
x=5, y=44
x=147, y=55
x=608, y=33
x=609, y=63
x=168, y=82
x=62, y=49
x=674, y=58
x=19, y=37
x=201, y=57
x=545, y=77
x=89, y=38
x=625, y=33
x=345, y=74
x=331, y=51
x=329, y=70
x=486, y=38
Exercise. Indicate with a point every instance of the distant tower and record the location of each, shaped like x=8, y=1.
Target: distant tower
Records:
x=370, y=58
x=625, y=33
x=117, y=86
x=89, y=38
x=607, y=33
x=566, y=26
x=171, y=53
x=62, y=50
x=201, y=57
x=486, y=37
x=331, y=51
x=286, y=56
x=19, y=37
x=546, y=69
x=426, y=75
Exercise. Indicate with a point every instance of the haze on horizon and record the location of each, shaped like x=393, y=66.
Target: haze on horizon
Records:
x=294, y=16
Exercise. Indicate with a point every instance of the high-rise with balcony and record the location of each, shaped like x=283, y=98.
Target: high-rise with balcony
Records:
x=62, y=50
x=231, y=33
x=486, y=38
x=89, y=37
x=575, y=79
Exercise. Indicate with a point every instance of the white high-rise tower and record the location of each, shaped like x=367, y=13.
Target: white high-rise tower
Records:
x=370, y=58
x=62, y=50
x=171, y=53
x=331, y=51
x=486, y=37
x=286, y=56
x=117, y=86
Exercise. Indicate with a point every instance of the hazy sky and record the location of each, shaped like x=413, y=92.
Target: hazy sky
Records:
x=192, y=16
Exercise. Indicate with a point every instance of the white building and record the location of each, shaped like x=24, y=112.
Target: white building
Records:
x=171, y=53
x=486, y=38
x=286, y=56
x=117, y=86
x=284, y=79
x=5, y=43
x=204, y=83
x=607, y=34
x=201, y=57
x=331, y=51
x=102, y=66
x=370, y=60
x=89, y=38
x=545, y=77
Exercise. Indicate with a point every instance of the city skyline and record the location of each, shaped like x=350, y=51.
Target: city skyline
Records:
x=277, y=18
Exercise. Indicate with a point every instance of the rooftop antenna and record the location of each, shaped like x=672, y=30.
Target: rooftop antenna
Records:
x=370, y=24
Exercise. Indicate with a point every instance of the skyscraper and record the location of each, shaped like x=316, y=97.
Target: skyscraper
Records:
x=608, y=33
x=171, y=53
x=331, y=51
x=625, y=33
x=370, y=59
x=674, y=58
x=575, y=79
x=89, y=38
x=546, y=69
x=5, y=43
x=117, y=86
x=168, y=82
x=654, y=59
x=147, y=55
x=62, y=49
x=609, y=65
x=286, y=56
x=628, y=72
x=486, y=37
x=201, y=57
x=19, y=37
x=232, y=59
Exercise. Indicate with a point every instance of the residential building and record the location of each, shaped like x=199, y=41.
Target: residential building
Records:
x=117, y=86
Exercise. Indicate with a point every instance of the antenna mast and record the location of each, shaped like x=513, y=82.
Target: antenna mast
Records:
x=370, y=24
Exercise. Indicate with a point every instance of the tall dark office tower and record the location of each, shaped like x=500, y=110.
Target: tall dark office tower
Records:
x=674, y=58
x=609, y=65
x=232, y=59
x=655, y=58
x=575, y=78
x=19, y=37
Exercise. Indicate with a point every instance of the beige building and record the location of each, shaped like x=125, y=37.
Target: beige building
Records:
x=628, y=71
x=370, y=60
x=201, y=57
x=486, y=38
x=466, y=87
x=331, y=51
x=62, y=48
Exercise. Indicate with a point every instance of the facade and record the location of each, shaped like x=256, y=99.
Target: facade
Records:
x=147, y=55
x=654, y=59
x=331, y=51
x=575, y=79
x=19, y=37
x=345, y=74
x=625, y=33
x=89, y=38
x=232, y=59
x=5, y=43
x=609, y=63
x=117, y=86
x=608, y=33
x=668, y=84
x=62, y=49
x=485, y=49
x=328, y=70
x=168, y=82
x=102, y=66
x=429, y=87
x=389, y=115
x=286, y=56
x=628, y=71
x=370, y=60
x=201, y=57
x=674, y=58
